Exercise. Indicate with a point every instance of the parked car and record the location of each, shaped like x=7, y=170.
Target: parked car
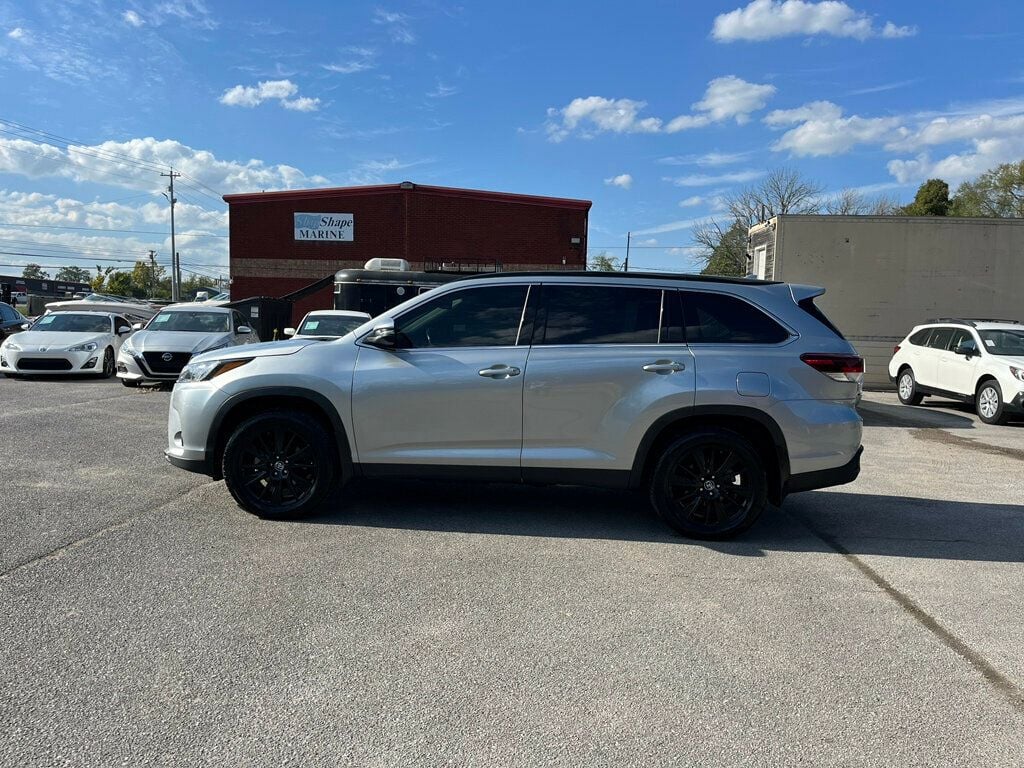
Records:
x=11, y=321
x=715, y=395
x=974, y=361
x=168, y=341
x=66, y=342
x=328, y=323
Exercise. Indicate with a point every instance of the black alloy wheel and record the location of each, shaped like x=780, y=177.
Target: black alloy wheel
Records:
x=280, y=464
x=709, y=485
x=108, y=362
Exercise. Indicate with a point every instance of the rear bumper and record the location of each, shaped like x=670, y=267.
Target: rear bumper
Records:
x=825, y=478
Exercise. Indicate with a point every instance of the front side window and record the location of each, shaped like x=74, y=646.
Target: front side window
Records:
x=715, y=318
x=1003, y=342
x=486, y=316
x=960, y=336
x=196, y=321
x=599, y=314
x=61, y=322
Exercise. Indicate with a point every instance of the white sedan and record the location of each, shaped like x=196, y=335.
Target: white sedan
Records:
x=66, y=342
x=176, y=333
x=328, y=324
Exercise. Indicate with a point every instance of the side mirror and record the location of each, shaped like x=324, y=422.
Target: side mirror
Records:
x=967, y=350
x=123, y=330
x=383, y=335
x=137, y=327
x=26, y=326
x=243, y=329
x=289, y=331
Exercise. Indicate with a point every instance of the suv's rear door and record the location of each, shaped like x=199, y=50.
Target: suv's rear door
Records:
x=927, y=371
x=607, y=360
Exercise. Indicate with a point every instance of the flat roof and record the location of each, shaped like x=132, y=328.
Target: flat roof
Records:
x=406, y=187
x=590, y=275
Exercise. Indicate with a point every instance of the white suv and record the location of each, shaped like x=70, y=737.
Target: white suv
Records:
x=979, y=361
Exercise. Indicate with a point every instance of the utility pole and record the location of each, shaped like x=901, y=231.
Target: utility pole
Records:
x=177, y=262
x=175, y=272
x=152, y=274
x=625, y=266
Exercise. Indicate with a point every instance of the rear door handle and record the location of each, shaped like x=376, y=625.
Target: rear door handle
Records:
x=664, y=367
x=500, y=371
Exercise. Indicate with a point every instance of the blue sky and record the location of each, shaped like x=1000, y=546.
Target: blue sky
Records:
x=653, y=110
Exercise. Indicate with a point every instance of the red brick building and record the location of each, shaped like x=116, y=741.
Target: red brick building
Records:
x=283, y=241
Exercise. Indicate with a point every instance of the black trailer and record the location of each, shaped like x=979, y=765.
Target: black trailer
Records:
x=375, y=291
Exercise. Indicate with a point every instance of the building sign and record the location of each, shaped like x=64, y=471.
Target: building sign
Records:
x=325, y=226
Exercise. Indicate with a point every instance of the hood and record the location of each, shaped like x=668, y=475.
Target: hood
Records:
x=57, y=340
x=265, y=349
x=178, y=341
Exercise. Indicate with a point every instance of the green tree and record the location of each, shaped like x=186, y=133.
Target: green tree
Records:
x=148, y=278
x=120, y=284
x=99, y=280
x=722, y=251
x=34, y=272
x=998, y=192
x=72, y=275
x=932, y=199
x=605, y=262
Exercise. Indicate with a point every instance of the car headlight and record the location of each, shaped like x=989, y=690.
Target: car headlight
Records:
x=11, y=346
x=87, y=347
x=208, y=369
x=127, y=347
x=1018, y=373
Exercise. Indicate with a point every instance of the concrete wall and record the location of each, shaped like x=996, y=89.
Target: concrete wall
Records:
x=885, y=274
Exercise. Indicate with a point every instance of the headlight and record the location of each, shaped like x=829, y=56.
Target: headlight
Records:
x=11, y=346
x=89, y=347
x=206, y=370
x=1018, y=373
x=127, y=347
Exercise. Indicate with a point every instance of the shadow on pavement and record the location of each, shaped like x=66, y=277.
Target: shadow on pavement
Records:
x=919, y=417
x=863, y=523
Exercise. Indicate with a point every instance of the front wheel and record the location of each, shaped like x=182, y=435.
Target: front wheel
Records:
x=906, y=388
x=709, y=485
x=989, y=403
x=280, y=464
x=108, y=363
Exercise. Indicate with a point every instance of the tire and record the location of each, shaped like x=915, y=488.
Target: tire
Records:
x=680, y=490
x=906, y=388
x=133, y=383
x=108, y=363
x=988, y=402
x=280, y=465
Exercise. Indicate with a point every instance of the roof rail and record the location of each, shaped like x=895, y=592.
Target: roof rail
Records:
x=972, y=321
x=994, y=320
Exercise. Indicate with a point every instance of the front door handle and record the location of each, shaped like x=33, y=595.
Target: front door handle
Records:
x=500, y=371
x=664, y=367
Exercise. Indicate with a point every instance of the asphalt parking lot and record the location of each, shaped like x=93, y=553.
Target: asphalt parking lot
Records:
x=148, y=621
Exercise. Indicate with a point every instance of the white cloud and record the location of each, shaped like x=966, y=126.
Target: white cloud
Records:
x=690, y=202
x=397, y=25
x=381, y=171
x=726, y=97
x=281, y=90
x=945, y=130
x=132, y=19
x=349, y=67
x=623, y=180
x=771, y=19
x=596, y=114
x=442, y=91
x=959, y=166
x=707, y=180
x=17, y=33
x=822, y=130
x=672, y=226
x=648, y=243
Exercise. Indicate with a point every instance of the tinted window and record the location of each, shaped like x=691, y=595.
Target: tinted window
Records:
x=672, y=319
x=921, y=337
x=940, y=339
x=960, y=335
x=7, y=313
x=714, y=318
x=600, y=314
x=475, y=317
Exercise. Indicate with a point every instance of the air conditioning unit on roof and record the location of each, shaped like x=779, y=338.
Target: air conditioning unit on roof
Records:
x=388, y=265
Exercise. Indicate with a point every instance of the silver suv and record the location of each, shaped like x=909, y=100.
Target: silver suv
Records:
x=715, y=395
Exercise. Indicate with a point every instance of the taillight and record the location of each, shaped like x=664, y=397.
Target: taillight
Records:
x=895, y=350
x=836, y=367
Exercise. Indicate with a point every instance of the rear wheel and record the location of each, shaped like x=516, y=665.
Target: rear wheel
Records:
x=709, y=485
x=906, y=388
x=989, y=402
x=280, y=464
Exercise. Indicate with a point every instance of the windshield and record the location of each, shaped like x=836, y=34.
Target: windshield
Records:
x=198, y=322
x=66, y=322
x=327, y=325
x=1003, y=342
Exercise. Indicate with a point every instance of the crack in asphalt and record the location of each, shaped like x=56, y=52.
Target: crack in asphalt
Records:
x=996, y=679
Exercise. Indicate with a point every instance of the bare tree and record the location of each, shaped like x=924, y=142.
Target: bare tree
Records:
x=783, y=190
x=885, y=205
x=848, y=202
x=722, y=251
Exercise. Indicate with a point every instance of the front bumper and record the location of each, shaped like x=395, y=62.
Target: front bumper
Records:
x=134, y=368
x=189, y=421
x=52, y=362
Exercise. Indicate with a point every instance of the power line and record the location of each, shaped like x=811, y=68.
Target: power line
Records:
x=100, y=229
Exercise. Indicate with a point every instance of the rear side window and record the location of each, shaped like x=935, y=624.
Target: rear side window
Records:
x=940, y=338
x=715, y=318
x=600, y=314
x=920, y=338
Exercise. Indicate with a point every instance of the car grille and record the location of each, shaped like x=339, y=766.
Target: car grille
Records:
x=44, y=364
x=156, y=363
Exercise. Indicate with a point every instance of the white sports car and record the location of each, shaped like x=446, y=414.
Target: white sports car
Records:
x=66, y=342
x=176, y=333
x=328, y=323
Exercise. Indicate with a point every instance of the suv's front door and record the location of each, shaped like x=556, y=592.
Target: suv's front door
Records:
x=607, y=360
x=451, y=393
x=956, y=372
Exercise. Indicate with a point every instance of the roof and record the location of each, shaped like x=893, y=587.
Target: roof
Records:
x=593, y=275
x=406, y=187
x=972, y=322
x=195, y=305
